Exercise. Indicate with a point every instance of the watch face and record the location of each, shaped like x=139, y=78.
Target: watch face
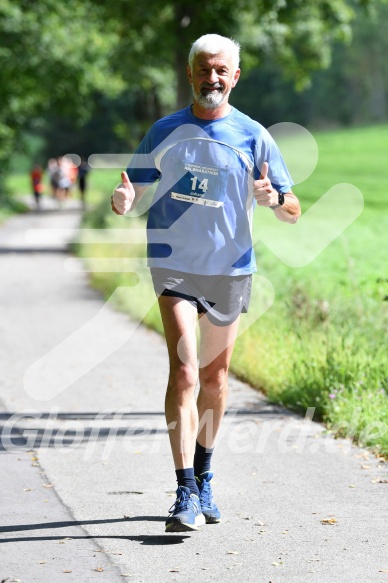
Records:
x=281, y=198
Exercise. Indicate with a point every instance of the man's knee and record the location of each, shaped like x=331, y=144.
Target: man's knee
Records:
x=213, y=380
x=182, y=378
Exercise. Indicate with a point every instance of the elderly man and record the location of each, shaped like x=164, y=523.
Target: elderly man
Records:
x=213, y=164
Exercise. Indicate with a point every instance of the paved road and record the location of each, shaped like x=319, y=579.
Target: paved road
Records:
x=87, y=476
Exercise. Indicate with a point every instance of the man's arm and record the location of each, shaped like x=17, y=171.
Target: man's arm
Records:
x=126, y=195
x=265, y=195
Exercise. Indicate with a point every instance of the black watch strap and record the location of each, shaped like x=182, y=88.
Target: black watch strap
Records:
x=280, y=201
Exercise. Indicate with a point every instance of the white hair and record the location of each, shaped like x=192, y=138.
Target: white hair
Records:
x=215, y=44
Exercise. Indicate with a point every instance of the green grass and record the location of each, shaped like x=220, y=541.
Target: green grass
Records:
x=322, y=343
x=15, y=184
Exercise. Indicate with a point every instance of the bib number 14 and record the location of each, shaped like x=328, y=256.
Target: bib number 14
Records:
x=203, y=185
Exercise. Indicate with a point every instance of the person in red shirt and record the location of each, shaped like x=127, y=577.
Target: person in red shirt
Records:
x=37, y=184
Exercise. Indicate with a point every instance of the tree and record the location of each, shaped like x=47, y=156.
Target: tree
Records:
x=354, y=89
x=298, y=35
x=52, y=56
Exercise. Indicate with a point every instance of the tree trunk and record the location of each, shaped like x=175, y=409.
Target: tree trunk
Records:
x=184, y=93
x=184, y=15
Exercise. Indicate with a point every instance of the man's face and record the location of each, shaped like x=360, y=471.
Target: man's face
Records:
x=212, y=78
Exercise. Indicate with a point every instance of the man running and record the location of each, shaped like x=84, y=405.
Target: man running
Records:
x=213, y=164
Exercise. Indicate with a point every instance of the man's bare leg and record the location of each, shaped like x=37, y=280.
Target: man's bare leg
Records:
x=179, y=321
x=216, y=349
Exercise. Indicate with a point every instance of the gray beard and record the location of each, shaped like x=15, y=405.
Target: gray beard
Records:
x=210, y=100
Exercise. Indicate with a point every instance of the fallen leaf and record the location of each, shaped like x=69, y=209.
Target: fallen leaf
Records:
x=232, y=553
x=67, y=571
x=352, y=486
x=275, y=564
x=365, y=467
x=27, y=489
x=364, y=455
x=48, y=486
x=41, y=562
x=383, y=571
x=329, y=521
x=173, y=570
x=98, y=569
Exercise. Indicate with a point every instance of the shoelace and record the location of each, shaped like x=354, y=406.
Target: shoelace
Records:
x=184, y=502
x=206, y=496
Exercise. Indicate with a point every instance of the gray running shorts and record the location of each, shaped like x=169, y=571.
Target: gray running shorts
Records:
x=221, y=297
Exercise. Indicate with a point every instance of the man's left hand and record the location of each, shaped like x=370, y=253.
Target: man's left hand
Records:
x=263, y=192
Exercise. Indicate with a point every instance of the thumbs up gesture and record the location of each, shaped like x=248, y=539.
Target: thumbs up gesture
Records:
x=123, y=196
x=263, y=192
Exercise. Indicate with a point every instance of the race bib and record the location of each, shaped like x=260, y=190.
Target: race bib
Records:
x=205, y=185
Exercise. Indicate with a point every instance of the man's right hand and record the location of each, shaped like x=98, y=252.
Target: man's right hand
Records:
x=123, y=196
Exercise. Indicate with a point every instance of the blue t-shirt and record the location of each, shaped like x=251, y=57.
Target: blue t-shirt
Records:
x=200, y=220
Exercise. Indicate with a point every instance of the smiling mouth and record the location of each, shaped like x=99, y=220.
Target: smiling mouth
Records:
x=211, y=89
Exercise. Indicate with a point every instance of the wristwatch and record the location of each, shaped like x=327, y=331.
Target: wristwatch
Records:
x=280, y=201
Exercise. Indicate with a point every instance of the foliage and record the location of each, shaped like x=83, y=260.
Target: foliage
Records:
x=297, y=35
x=51, y=57
x=92, y=75
x=352, y=90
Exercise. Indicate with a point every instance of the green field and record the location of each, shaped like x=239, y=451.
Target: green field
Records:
x=322, y=342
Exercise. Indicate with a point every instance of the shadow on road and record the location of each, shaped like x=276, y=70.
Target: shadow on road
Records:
x=67, y=523
x=153, y=540
x=32, y=250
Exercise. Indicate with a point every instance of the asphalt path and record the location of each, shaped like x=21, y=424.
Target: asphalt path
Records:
x=87, y=474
